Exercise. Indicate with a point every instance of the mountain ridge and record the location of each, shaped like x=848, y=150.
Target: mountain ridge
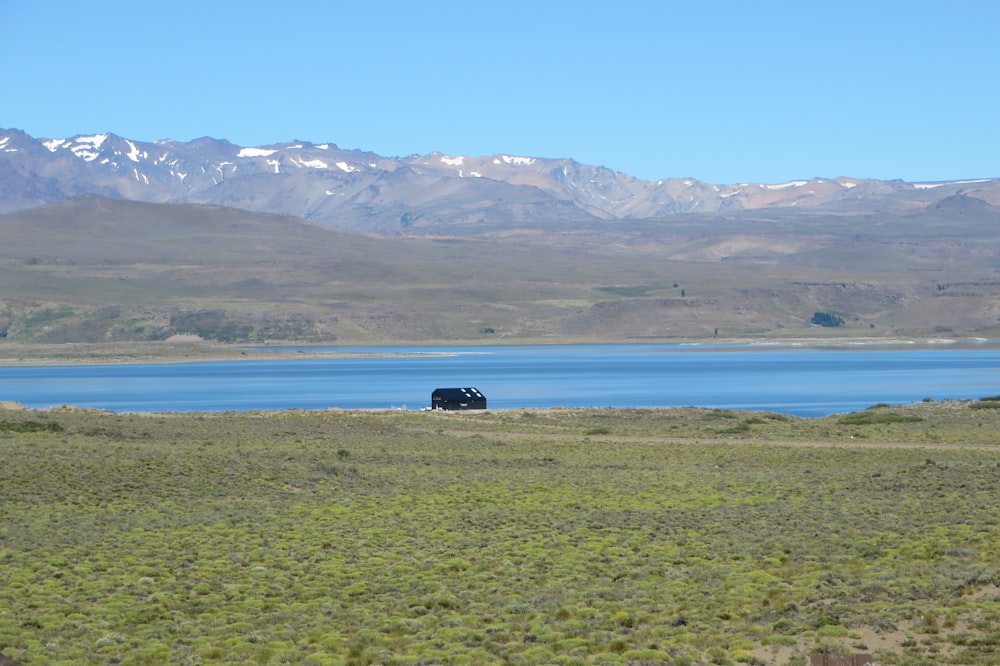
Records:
x=362, y=191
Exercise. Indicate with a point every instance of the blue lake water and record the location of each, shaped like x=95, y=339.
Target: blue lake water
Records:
x=792, y=380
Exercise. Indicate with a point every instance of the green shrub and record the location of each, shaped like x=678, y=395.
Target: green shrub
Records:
x=875, y=418
x=828, y=319
x=29, y=426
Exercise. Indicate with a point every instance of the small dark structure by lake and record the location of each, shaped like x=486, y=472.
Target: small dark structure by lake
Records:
x=457, y=398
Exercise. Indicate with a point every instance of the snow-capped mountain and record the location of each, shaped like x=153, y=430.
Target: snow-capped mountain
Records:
x=359, y=190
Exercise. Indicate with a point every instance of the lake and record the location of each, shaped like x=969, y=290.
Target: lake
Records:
x=788, y=379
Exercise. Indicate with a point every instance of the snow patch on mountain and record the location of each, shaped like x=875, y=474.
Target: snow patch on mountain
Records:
x=86, y=148
x=453, y=161
x=134, y=152
x=929, y=186
x=344, y=166
x=256, y=152
x=312, y=164
x=96, y=140
x=516, y=161
x=791, y=183
x=86, y=154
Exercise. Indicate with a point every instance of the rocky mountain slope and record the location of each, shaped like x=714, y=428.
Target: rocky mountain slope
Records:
x=435, y=193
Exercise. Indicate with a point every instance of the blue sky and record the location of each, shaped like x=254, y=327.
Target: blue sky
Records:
x=725, y=92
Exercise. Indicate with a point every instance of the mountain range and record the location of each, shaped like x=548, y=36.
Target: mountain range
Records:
x=108, y=239
x=419, y=194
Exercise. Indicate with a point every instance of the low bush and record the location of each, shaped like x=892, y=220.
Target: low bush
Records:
x=985, y=403
x=29, y=426
x=878, y=417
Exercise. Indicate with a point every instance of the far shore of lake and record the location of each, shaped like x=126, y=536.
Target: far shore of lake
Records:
x=182, y=349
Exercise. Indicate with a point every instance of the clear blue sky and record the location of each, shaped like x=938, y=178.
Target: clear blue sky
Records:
x=721, y=91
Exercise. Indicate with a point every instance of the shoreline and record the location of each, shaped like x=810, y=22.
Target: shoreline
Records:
x=192, y=351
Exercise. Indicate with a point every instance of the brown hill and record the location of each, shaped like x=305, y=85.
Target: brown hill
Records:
x=104, y=270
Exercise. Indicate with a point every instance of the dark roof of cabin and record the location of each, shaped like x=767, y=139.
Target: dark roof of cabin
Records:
x=470, y=393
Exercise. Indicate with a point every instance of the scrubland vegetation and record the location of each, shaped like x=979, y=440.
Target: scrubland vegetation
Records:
x=606, y=536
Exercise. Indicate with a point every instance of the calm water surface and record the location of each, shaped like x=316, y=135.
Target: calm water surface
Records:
x=802, y=381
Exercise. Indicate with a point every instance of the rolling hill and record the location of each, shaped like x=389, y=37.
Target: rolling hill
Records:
x=98, y=269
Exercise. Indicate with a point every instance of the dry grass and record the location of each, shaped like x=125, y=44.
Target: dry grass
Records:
x=617, y=536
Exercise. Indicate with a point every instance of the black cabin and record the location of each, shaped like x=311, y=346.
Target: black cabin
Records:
x=457, y=398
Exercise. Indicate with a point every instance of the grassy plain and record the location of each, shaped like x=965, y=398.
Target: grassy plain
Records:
x=599, y=536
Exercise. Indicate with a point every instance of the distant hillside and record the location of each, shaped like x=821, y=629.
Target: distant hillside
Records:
x=425, y=194
x=98, y=269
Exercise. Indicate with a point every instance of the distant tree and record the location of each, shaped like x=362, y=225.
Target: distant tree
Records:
x=827, y=319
